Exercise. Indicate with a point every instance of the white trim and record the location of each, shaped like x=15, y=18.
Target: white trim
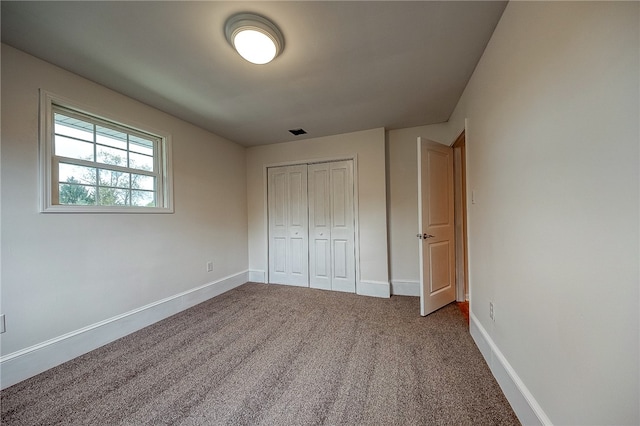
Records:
x=28, y=362
x=405, y=288
x=419, y=233
x=302, y=285
x=373, y=288
x=265, y=219
x=525, y=406
x=257, y=276
x=356, y=217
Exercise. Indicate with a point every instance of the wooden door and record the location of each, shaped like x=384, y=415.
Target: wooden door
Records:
x=288, y=225
x=436, y=226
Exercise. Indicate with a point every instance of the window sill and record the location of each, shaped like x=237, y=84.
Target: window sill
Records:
x=106, y=209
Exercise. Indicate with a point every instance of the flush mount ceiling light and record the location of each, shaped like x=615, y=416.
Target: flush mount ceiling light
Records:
x=254, y=37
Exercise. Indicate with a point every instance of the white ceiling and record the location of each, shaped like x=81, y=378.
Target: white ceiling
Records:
x=346, y=66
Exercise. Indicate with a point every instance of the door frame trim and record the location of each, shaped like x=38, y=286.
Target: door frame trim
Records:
x=460, y=215
x=356, y=212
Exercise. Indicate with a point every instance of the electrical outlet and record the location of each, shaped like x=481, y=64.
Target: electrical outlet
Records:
x=210, y=266
x=3, y=327
x=491, y=312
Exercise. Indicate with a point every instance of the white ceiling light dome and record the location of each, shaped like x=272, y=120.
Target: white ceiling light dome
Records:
x=254, y=37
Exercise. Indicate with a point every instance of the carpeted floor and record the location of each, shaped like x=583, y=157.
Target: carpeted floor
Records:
x=275, y=355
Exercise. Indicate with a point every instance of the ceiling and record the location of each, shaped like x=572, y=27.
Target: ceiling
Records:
x=346, y=66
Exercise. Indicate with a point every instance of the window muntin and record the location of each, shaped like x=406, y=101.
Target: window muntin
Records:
x=91, y=164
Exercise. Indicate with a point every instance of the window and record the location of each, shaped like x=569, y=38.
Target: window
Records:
x=94, y=164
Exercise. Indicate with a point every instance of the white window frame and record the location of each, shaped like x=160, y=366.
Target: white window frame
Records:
x=49, y=169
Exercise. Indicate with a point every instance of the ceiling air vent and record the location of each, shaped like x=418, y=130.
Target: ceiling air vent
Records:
x=298, y=132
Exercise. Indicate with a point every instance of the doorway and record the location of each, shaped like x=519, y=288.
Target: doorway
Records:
x=460, y=209
x=311, y=225
x=436, y=226
x=442, y=224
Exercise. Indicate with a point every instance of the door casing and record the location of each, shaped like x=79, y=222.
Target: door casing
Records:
x=460, y=211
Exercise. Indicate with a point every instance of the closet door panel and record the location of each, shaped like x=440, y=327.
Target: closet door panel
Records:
x=319, y=226
x=298, y=226
x=340, y=269
x=288, y=225
x=339, y=197
x=342, y=227
x=278, y=207
x=280, y=253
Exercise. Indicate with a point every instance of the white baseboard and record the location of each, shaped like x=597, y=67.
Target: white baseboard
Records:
x=405, y=288
x=20, y=365
x=257, y=276
x=523, y=403
x=373, y=288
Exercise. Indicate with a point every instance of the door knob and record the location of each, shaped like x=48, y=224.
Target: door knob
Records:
x=425, y=236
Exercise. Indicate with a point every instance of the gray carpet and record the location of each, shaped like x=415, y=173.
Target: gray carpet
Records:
x=275, y=355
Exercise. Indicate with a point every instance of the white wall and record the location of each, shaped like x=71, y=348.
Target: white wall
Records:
x=552, y=155
x=64, y=272
x=369, y=149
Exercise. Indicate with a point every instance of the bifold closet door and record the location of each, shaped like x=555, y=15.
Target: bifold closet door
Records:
x=288, y=225
x=331, y=226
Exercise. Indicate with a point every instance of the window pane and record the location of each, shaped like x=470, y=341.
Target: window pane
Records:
x=76, y=174
x=113, y=179
x=97, y=162
x=111, y=137
x=143, y=198
x=73, y=127
x=73, y=148
x=106, y=155
x=140, y=162
x=79, y=195
x=113, y=196
x=143, y=182
x=143, y=146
